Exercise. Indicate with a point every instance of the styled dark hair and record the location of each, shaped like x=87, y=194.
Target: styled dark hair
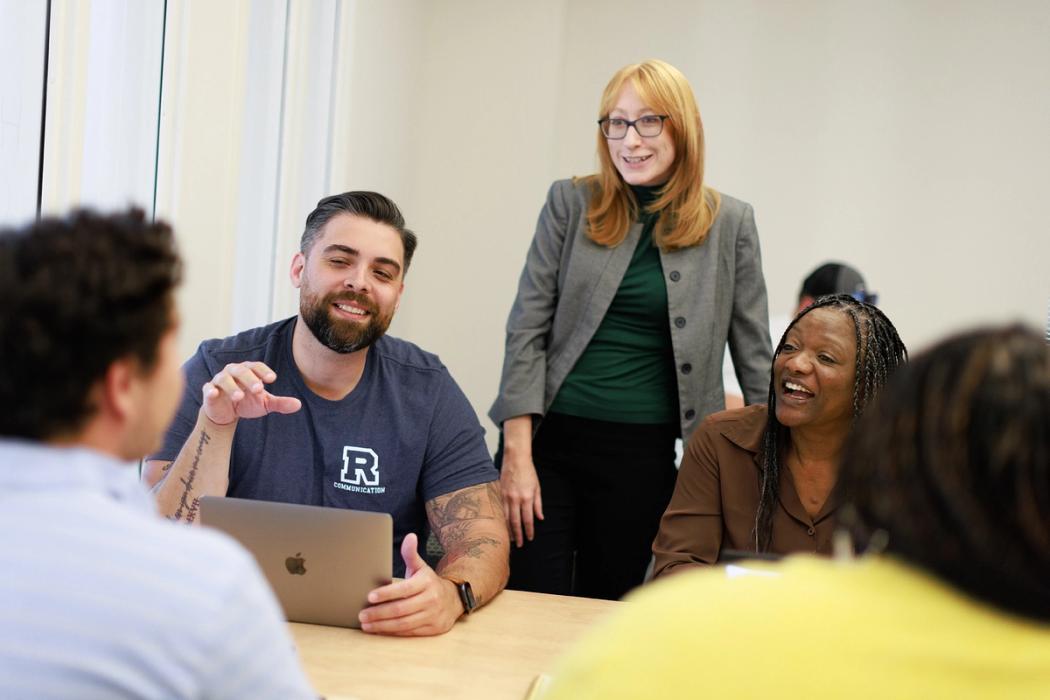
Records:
x=951, y=466
x=77, y=294
x=370, y=205
x=879, y=352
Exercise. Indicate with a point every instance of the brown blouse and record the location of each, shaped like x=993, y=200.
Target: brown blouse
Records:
x=716, y=497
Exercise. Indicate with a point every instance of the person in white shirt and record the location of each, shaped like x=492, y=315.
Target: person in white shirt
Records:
x=100, y=597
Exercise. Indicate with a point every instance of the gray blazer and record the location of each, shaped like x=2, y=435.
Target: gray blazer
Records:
x=715, y=293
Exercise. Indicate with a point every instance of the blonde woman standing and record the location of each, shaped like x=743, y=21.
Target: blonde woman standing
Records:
x=635, y=280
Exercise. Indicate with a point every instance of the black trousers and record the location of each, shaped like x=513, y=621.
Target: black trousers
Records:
x=604, y=488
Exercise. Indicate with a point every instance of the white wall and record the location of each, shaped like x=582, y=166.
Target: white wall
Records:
x=103, y=96
x=907, y=137
x=485, y=135
x=23, y=33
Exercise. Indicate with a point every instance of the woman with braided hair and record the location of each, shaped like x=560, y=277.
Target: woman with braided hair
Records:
x=945, y=484
x=761, y=479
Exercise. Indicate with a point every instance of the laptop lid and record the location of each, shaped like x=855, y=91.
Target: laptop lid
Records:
x=320, y=562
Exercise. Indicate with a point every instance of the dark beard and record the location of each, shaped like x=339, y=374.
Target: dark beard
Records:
x=341, y=337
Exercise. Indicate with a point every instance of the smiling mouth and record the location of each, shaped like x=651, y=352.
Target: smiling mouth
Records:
x=795, y=390
x=352, y=310
x=635, y=160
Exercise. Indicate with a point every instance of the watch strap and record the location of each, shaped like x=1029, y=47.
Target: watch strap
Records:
x=466, y=594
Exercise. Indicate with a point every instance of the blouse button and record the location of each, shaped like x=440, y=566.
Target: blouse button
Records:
x=675, y=275
x=680, y=322
x=811, y=532
x=690, y=414
x=687, y=368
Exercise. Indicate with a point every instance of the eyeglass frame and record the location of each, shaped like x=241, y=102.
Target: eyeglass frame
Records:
x=631, y=123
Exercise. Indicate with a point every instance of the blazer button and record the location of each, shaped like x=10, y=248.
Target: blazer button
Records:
x=679, y=322
x=690, y=414
x=687, y=368
x=675, y=275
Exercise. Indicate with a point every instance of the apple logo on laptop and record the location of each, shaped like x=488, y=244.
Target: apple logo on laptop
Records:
x=296, y=564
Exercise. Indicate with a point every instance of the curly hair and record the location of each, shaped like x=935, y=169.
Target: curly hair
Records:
x=79, y=293
x=879, y=352
x=951, y=467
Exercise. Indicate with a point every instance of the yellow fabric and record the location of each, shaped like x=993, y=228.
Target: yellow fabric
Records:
x=872, y=629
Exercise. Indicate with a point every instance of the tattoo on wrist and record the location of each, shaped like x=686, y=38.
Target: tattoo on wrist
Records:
x=188, y=506
x=191, y=512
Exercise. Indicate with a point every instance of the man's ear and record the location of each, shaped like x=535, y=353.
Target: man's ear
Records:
x=296, y=271
x=117, y=394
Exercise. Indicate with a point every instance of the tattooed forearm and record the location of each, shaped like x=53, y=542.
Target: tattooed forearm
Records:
x=464, y=504
x=191, y=512
x=495, y=498
x=471, y=527
x=461, y=540
x=467, y=549
x=472, y=548
x=189, y=505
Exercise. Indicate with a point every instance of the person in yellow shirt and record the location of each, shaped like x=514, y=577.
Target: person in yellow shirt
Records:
x=948, y=485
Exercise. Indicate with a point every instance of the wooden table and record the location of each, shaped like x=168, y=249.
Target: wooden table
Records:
x=495, y=653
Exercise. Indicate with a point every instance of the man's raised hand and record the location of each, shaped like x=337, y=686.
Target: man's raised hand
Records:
x=239, y=391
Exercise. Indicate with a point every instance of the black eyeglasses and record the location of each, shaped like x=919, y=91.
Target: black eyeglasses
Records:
x=649, y=125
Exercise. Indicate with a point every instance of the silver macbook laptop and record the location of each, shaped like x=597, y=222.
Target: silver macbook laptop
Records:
x=321, y=562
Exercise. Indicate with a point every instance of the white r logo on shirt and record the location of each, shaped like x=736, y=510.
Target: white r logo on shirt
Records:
x=363, y=461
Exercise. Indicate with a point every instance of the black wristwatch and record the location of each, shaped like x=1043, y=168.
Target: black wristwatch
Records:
x=466, y=594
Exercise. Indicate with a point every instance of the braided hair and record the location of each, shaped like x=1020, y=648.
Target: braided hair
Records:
x=951, y=468
x=879, y=352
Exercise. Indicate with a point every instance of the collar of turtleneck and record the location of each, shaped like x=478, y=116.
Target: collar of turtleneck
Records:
x=646, y=194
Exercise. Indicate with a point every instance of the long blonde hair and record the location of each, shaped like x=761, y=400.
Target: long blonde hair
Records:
x=689, y=208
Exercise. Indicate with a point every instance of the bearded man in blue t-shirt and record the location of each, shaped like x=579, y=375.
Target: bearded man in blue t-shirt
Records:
x=324, y=409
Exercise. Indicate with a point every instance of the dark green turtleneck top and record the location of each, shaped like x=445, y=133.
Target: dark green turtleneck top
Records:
x=626, y=374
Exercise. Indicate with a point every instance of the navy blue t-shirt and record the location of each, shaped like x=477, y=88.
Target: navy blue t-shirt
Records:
x=404, y=435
